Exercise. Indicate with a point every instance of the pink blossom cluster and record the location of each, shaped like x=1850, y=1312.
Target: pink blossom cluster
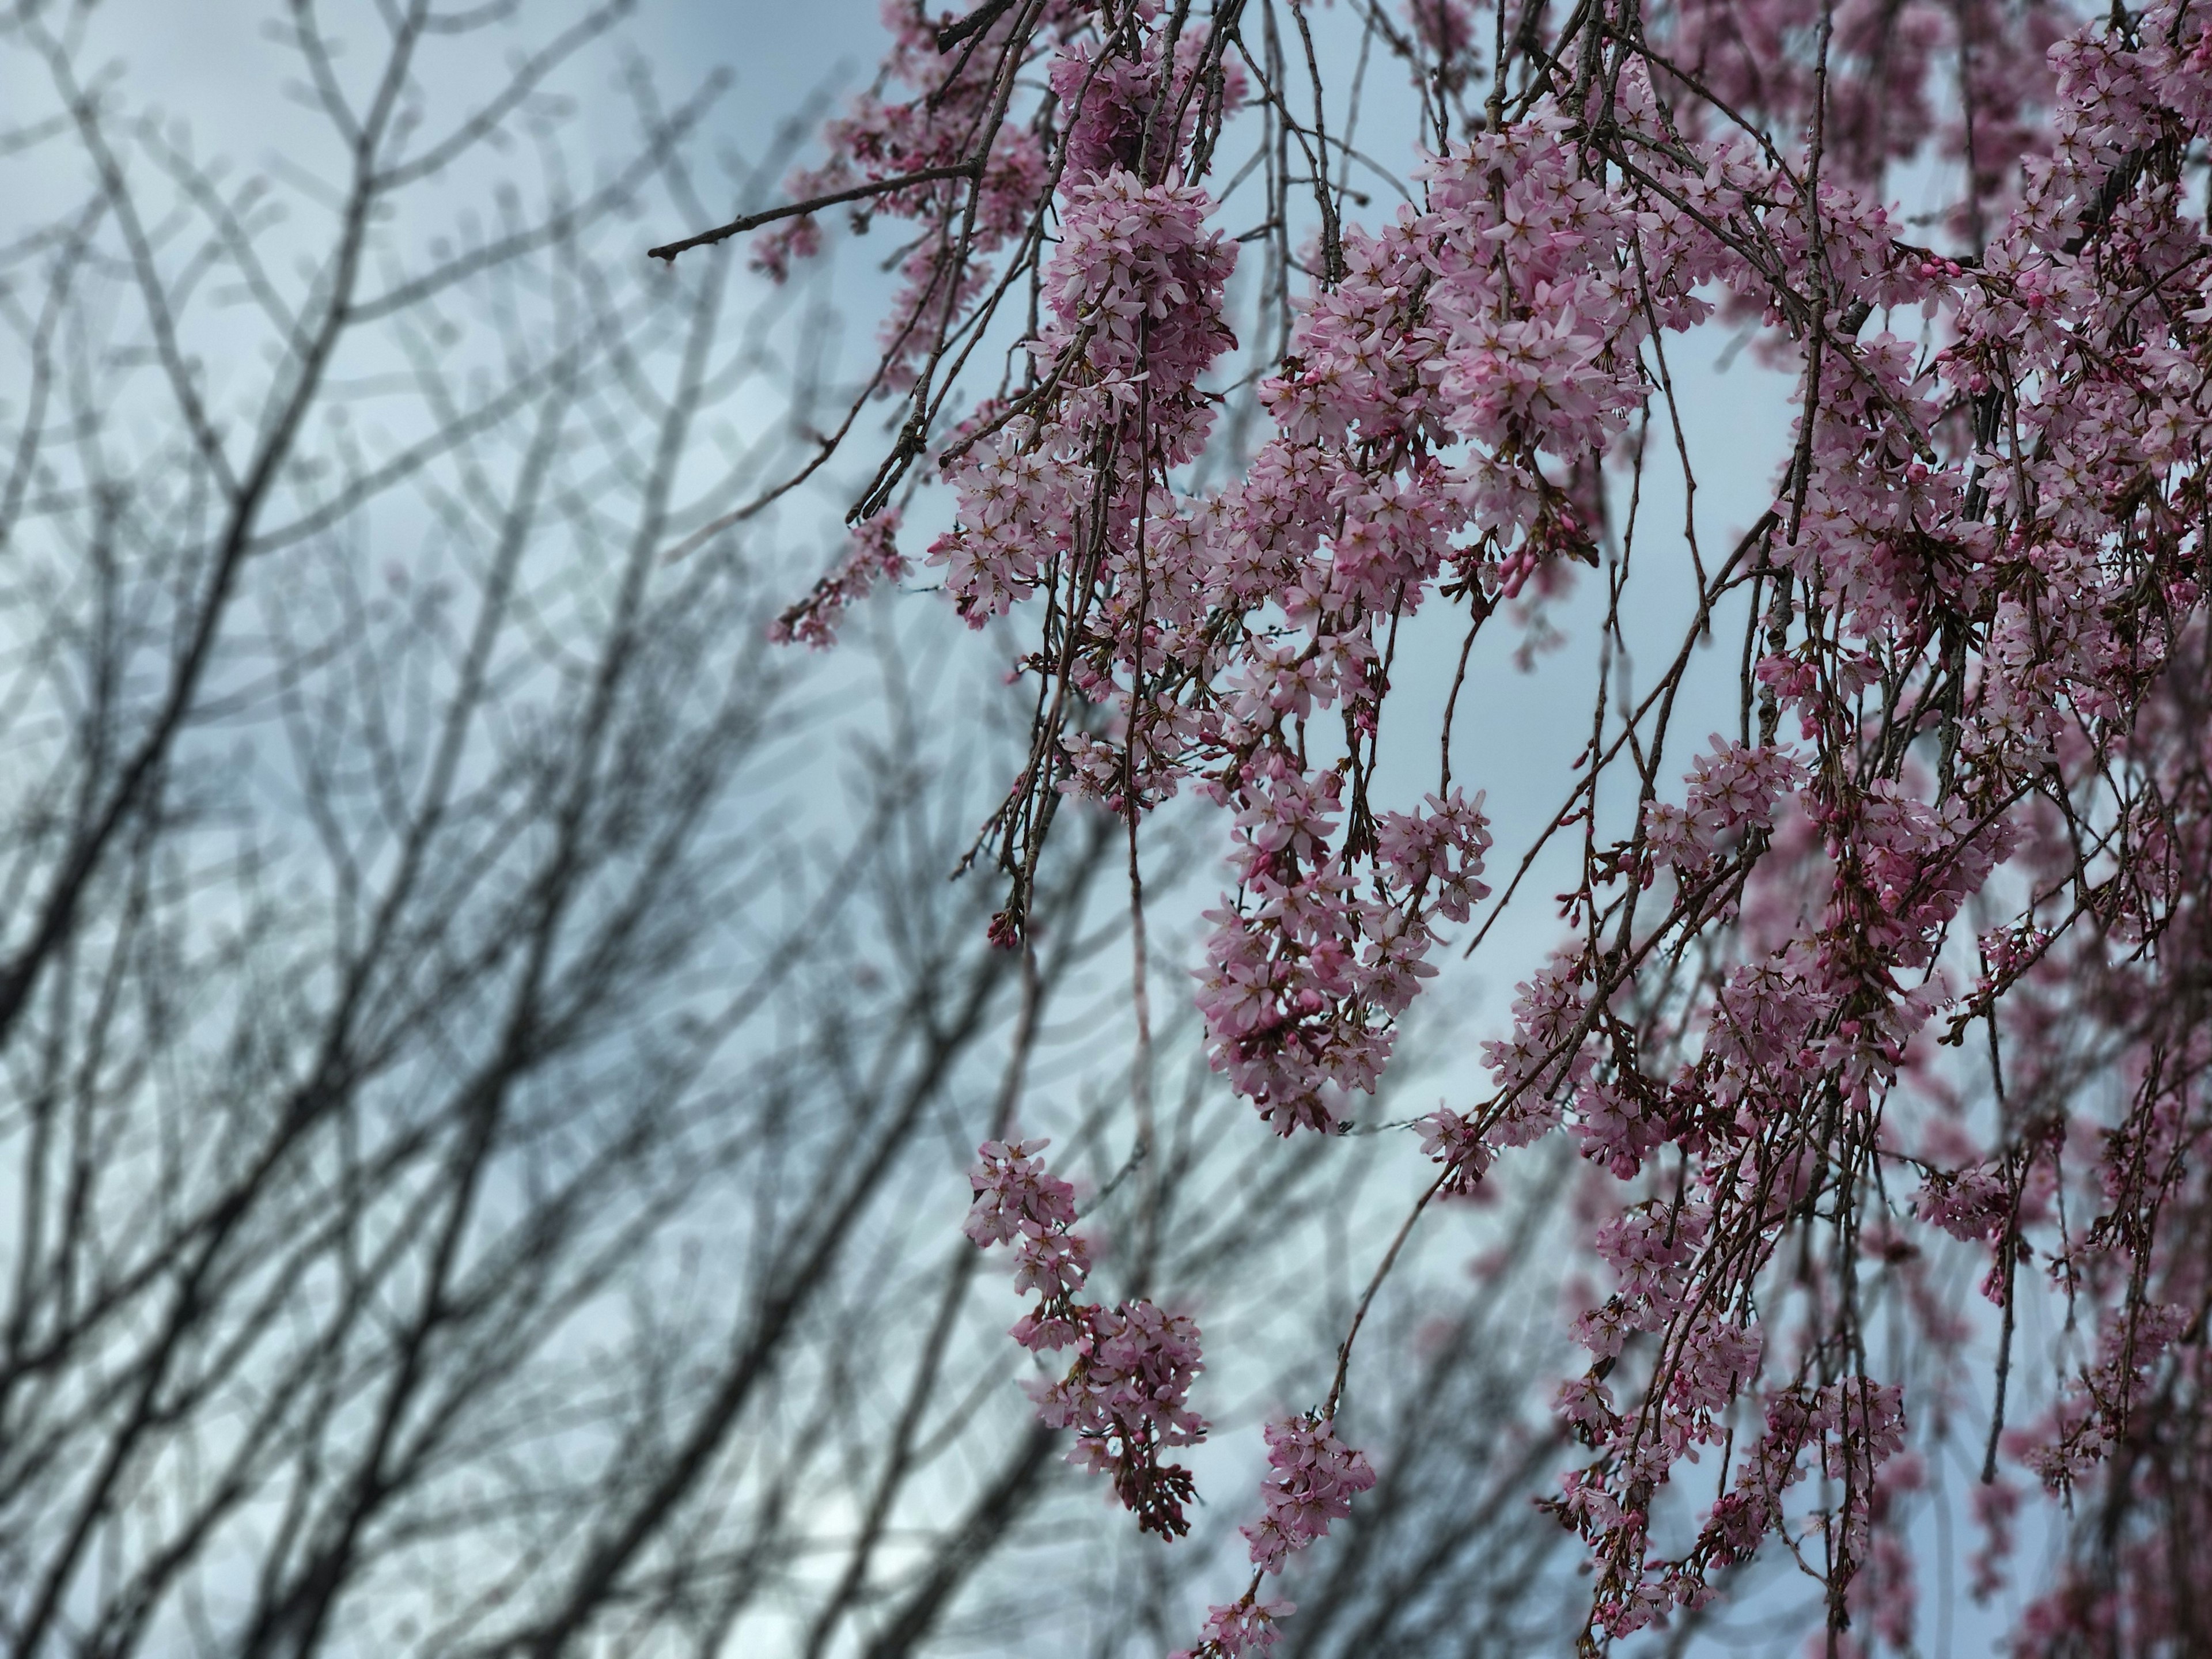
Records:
x=1126, y=1393
x=1886, y=65
x=1442, y=846
x=872, y=557
x=1976, y=598
x=1252, y=1625
x=1135, y=291
x=1731, y=789
x=1312, y=1478
x=882, y=139
x=2139, y=1586
x=1304, y=970
x=1847, y=1433
x=1970, y=1204
x=1126, y=116
x=1311, y=1481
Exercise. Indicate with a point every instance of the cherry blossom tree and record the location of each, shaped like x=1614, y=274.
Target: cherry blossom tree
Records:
x=1901, y=965
x=494, y=1049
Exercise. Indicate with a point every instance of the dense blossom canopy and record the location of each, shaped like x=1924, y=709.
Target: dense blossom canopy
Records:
x=1964, y=806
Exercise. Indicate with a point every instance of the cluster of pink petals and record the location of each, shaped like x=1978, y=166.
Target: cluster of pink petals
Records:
x=1311, y=1481
x=1126, y=1395
x=1134, y=291
x=1252, y=1625
x=872, y=557
x=1731, y=788
x=1312, y=1478
x=1981, y=565
x=1305, y=971
x=881, y=138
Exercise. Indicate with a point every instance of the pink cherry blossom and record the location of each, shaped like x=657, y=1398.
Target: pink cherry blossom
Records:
x=1962, y=809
